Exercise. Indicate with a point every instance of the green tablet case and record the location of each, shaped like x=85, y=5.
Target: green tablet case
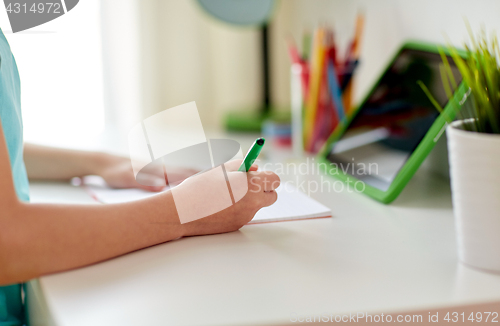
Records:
x=418, y=155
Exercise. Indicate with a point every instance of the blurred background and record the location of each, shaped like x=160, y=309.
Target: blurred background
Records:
x=90, y=75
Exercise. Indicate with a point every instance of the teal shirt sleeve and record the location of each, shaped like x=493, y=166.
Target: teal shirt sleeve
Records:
x=11, y=117
x=11, y=309
x=11, y=304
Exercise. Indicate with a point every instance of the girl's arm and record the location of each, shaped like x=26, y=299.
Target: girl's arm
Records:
x=49, y=163
x=37, y=239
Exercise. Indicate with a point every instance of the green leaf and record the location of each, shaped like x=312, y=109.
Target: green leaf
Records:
x=481, y=72
x=433, y=101
x=445, y=81
x=448, y=68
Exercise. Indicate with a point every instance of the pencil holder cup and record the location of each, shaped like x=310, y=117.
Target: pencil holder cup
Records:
x=475, y=181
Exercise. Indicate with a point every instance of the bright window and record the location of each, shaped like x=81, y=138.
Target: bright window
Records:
x=60, y=64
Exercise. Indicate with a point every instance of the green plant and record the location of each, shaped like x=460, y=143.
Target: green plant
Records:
x=481, y=72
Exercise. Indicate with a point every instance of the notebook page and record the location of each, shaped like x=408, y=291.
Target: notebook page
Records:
x=97, y=188
x=291, y=204
x=107, y=195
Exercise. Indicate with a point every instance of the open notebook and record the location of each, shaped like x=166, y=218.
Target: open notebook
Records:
x=291, y=204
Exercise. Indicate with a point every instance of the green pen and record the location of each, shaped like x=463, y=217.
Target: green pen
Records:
x=252, y=155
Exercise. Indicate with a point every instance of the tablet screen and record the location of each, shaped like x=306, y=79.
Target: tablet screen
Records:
x=393, y=121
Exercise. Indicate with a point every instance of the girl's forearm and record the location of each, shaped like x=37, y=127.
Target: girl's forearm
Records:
x=51, y=163
x=50, y=238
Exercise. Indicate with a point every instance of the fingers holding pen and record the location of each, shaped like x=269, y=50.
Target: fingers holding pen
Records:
x=263, y=181
x=234, y=165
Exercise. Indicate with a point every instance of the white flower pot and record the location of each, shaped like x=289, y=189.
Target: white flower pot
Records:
x=475, y=183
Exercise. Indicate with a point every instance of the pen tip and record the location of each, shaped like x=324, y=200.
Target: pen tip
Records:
x=260, y=141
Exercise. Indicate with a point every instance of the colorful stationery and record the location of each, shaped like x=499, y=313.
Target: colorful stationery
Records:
x=327, y=82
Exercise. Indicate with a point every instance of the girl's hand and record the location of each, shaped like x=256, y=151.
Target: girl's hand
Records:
x=256, y=191
x=117, y=172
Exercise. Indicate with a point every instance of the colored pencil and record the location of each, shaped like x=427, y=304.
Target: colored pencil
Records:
x=318, y=55
x=327, y=81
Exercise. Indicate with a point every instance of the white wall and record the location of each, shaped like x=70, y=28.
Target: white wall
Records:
x=189, y=56
x=388, y=24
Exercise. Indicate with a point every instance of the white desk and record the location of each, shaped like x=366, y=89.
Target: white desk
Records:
x=368, y=258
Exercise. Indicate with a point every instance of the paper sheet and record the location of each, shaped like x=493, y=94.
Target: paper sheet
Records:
x=292, y=204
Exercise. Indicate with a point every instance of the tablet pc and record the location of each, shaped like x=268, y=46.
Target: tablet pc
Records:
x=380, y=146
